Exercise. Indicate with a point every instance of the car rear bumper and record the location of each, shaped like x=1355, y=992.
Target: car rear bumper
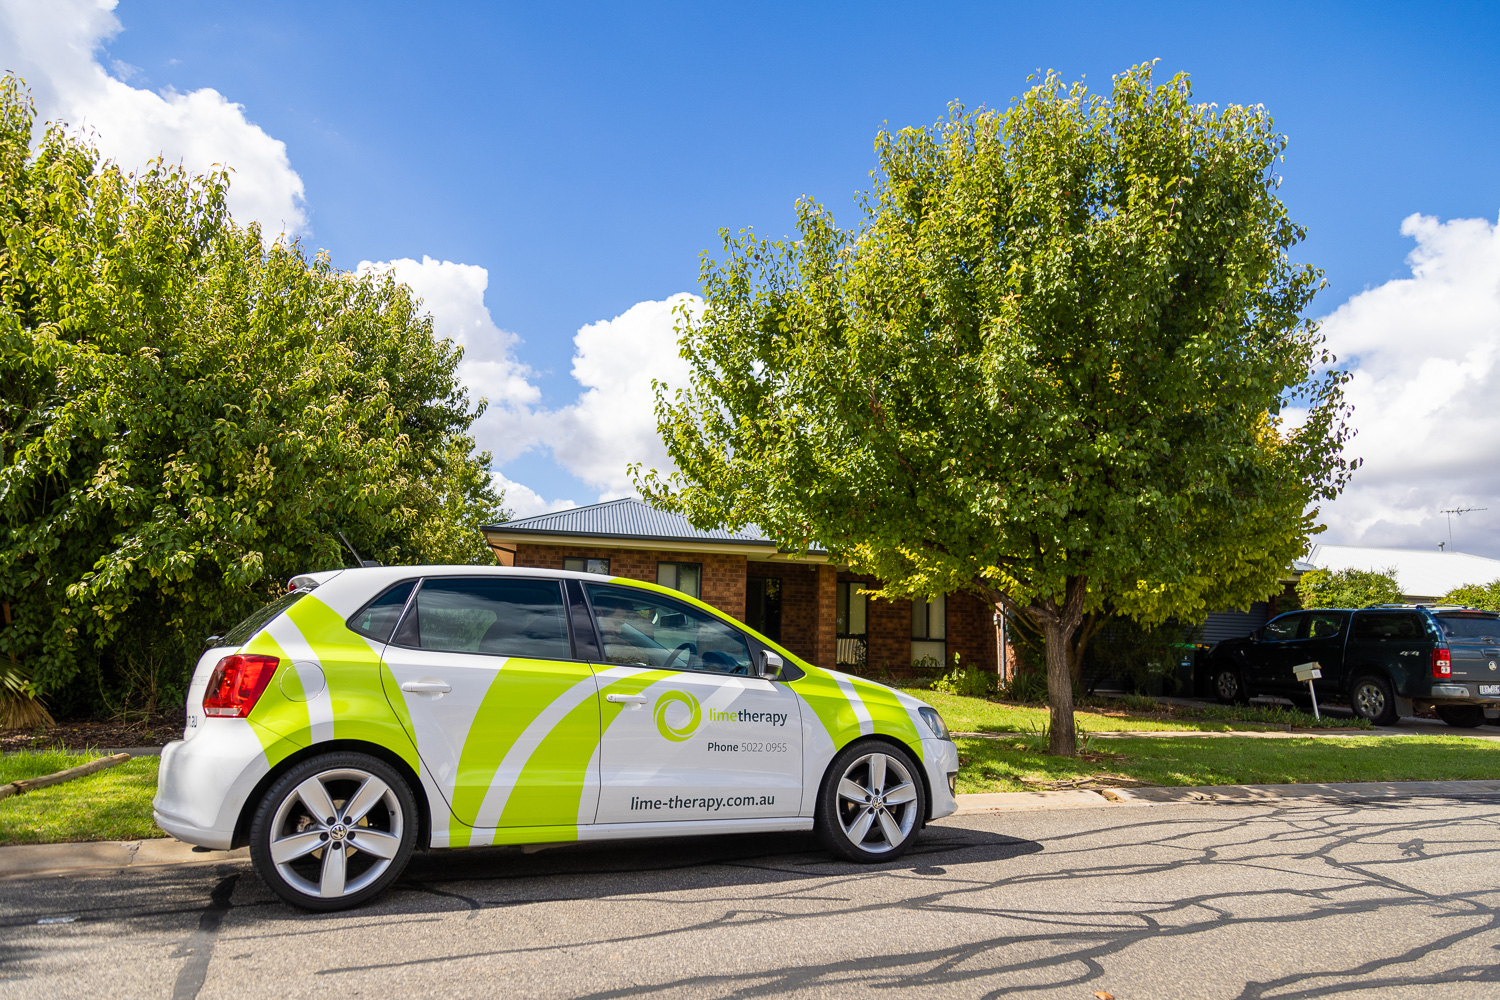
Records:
x=203, y=782
x=1457, y=693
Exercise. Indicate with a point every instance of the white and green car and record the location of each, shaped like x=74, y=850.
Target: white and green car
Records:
x=373, y=711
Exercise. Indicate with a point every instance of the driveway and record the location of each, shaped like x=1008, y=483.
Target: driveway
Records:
x=1390, y=898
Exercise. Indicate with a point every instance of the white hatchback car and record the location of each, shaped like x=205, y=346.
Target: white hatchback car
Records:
x=373, y=711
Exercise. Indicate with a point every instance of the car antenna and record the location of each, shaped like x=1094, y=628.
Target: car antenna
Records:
x=357, y=559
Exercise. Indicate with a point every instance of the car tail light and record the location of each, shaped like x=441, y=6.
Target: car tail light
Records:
x=237, y=684
x=1442, y=665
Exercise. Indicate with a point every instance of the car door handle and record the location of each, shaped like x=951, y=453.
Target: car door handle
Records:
x=627, y=699
x=427, y=687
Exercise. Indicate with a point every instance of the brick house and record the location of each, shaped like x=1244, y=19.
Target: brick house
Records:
x=811, y=606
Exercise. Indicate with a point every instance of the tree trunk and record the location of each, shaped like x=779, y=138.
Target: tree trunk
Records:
x=1063, y=737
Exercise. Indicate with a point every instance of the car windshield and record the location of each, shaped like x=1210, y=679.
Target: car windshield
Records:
x=1469, y=626
x=241, y=633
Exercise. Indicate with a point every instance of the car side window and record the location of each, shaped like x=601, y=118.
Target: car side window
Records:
x=1324, y=624
x=1388, y=626
x=1279, y=629
x=377, y=618
x=494, y=615
x=648, y=630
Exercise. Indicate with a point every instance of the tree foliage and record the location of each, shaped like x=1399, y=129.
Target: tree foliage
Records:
x=1476, y=595
x=1348, y=588
x=1048, y=368
x=189, y=413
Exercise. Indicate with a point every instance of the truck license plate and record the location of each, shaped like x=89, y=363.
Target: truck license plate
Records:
x=1489, y=689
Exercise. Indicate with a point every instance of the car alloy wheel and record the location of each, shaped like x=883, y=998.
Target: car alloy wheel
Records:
x=873, y=802
x=334, y=831
x=1228, y=687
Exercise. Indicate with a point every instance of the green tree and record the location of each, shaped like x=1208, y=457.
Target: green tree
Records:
x=1047, y=368
x=1476, y=595
x=1347, y=588
x=190, y=413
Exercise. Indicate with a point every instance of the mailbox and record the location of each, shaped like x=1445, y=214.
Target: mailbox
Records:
x=1308, y=672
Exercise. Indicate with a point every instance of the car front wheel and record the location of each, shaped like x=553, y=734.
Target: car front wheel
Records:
x=872, y=802
x=334, y=831
x=1372, y=698
x=1462, y=716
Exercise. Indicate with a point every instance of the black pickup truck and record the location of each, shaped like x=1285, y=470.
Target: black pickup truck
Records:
x=1384, y=661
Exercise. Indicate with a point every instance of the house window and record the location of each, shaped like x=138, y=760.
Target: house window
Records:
x=929, y=632
x=578, y=565
x=853, y=625
x=763, y=606
x=684, y=577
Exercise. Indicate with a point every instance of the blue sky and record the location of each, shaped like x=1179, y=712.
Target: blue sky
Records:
x=583, y=156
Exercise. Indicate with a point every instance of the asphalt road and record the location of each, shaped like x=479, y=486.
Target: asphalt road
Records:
x=1307, y=899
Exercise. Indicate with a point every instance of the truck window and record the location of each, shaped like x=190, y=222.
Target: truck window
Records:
x=1282, y=628
x=1324, y=624
x=1469, y=626
x=1387, y=626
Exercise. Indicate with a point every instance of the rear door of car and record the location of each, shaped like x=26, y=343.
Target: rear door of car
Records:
x=690, y=731
x=1321, y=641
x=504, y=717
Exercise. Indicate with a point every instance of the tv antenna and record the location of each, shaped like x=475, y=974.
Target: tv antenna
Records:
x=1460, y=511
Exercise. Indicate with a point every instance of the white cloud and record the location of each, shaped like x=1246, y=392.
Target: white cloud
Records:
x=613, y=422
x=454, y=295
x=523, y=501
x=1426, y=394
x=56, y=46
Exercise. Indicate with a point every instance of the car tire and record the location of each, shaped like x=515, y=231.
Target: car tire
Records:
x=872, y=803
x=1229, y=686
x=1461, y=716
x=1371, y=698
x=334, y=831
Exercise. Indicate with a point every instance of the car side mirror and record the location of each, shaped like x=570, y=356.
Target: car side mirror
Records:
x=771, y=665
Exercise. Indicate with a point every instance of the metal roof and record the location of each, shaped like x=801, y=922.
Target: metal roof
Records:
x=628, y=518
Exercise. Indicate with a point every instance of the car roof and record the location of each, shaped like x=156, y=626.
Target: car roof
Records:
x=380, y=575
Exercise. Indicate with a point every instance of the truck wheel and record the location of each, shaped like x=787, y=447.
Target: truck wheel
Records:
x=1461, y=716
x=1372, y=698
x=1228, y=687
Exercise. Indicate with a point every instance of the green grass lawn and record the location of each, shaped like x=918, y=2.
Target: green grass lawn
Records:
x=976, y=715
x=1014, y=765
x=114, y=804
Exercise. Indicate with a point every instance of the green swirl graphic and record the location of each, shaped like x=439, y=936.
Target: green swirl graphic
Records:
x=694, y=717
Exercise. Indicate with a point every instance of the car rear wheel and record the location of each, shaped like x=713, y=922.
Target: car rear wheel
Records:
x=334, y=831
x=872, y=802
x=1228, y=687
x=1462, y=716
x=1372, y=698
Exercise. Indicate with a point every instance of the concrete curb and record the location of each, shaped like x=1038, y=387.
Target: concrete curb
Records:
x=36, y=859
x=1073, y=798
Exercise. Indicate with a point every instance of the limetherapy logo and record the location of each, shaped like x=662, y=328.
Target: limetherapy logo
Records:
x=695, y=715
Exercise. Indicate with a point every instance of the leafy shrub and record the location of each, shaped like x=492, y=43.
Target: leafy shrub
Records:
x=970, y=681
x=1347, y=588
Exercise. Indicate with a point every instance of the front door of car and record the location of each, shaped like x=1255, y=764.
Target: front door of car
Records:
x=1272, y=658
x=504, y=718
x=691, y=732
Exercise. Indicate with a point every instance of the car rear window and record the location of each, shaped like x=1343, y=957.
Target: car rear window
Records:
x=1377, y=625
x=1469, y=626
x=241, y=633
